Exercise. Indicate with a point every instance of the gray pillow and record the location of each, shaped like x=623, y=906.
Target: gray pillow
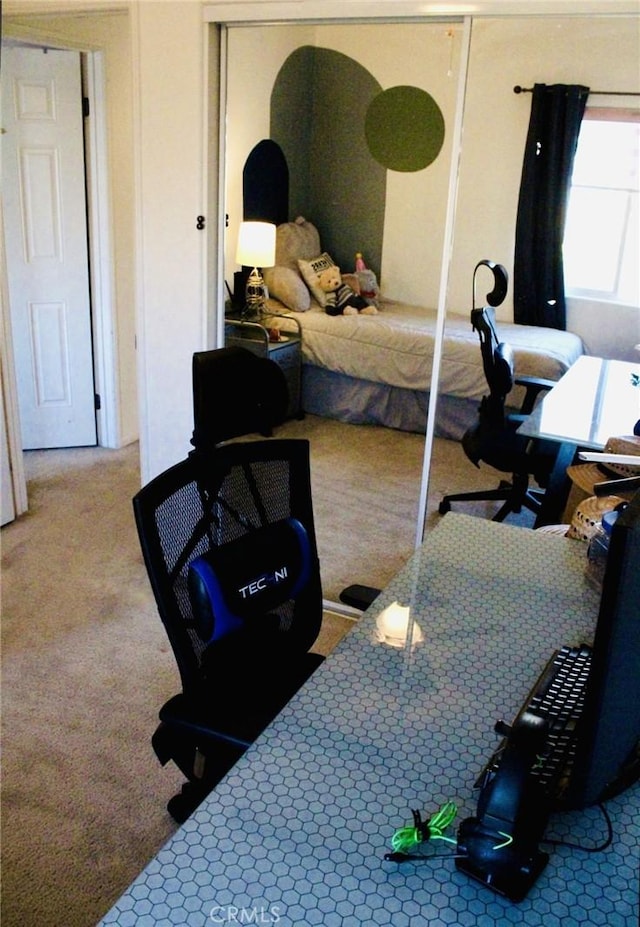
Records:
x=294, y=241
x=287, y=286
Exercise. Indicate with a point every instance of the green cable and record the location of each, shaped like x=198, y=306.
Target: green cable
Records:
x=406, y=838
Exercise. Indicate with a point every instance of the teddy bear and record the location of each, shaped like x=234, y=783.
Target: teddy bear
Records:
x=342, y=299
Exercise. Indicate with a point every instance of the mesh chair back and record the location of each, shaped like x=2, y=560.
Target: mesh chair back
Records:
x=497, y=356
x=212, y=500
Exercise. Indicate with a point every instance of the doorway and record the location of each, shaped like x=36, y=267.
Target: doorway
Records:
x=46, y=240
x=101, y=256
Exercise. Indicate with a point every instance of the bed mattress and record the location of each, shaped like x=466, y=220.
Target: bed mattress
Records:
x=395, y=347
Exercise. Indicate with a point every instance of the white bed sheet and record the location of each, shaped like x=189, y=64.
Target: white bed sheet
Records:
x=395, y=347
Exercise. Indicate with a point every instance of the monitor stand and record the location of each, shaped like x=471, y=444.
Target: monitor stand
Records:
x=499, y=847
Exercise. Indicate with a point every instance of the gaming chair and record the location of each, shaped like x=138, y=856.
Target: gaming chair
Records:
x=228, y=539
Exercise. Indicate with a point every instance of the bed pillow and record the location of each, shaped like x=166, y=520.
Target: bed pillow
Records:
x=295, y=241
x=287, y=286
x=310, y=270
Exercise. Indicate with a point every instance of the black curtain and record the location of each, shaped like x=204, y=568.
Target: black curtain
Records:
x=538, y=272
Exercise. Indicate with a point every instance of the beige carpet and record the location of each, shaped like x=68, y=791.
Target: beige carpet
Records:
x=366, y=486
x=86, y=664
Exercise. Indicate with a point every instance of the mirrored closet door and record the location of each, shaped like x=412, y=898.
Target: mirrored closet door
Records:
x=364, y=116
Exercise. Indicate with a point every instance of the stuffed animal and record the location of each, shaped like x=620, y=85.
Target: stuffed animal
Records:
x=341, y=298
x=369, y=289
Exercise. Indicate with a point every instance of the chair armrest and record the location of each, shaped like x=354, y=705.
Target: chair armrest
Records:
x=533, y=386
x=360, y=597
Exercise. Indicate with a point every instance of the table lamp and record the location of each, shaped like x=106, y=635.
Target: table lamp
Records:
x=256, y=249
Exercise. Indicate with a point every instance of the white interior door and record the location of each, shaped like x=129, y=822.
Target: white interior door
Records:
x=46, y=244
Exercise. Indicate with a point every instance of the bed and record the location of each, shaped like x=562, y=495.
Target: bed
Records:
x=377, y=369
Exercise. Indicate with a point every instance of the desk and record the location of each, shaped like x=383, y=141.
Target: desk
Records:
x=594, y=400
x=296, y=832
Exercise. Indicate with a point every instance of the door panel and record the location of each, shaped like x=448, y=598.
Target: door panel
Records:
x=46, y=243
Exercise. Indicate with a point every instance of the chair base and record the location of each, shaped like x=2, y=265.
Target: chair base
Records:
x=515, y=495
x=203, y=762
x=182, y=805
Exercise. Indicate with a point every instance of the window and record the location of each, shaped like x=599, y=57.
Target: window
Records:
x=602, y=233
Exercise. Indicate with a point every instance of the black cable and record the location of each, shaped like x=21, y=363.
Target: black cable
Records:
x=577, y=846
x=418, y=857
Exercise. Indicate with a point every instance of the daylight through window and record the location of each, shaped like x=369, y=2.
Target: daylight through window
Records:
x=602, y=233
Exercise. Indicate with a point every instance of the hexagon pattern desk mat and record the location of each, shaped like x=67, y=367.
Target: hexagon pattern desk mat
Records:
x=297, y=831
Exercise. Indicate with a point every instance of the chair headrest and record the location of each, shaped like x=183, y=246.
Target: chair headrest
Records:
x=235, y=393
x=500, y=282
x=249, y=577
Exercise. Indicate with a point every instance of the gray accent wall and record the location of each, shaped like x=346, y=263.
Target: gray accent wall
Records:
x=318, y=107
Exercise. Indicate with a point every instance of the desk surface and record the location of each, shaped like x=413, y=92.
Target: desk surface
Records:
x=594, y=400
x=296, y=833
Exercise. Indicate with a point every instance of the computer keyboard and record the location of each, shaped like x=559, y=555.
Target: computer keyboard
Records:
x=558, y=698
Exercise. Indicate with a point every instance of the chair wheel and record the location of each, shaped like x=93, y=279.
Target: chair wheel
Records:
x=182, y=805
x=444, y=507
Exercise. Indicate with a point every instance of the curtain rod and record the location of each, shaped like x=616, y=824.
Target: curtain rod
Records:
x=599, y=93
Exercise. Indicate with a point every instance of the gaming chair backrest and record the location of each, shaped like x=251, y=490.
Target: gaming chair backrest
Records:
x=211, y=501
x=497, y=361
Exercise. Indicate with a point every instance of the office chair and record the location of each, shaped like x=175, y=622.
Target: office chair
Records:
x=493, y=438
x=228, y=539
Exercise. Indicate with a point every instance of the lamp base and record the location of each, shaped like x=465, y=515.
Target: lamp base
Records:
x=254, y=294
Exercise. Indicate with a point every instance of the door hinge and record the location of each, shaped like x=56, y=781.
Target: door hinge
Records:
x=97, y=401
x=85, y=107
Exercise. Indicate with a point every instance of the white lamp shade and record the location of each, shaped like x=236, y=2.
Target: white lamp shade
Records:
x=256, y=244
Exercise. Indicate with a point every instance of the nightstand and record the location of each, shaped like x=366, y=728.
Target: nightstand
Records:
x=253, y=334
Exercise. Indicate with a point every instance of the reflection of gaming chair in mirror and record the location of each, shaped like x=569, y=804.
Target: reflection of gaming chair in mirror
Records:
x=493, y=439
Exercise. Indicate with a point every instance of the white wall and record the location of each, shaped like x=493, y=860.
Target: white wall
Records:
x=170, y=187
x=251, y=52
x=600, y=52
x=423, y=55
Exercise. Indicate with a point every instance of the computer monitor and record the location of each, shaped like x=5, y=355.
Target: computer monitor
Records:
x=604, y=754
x=607, y=751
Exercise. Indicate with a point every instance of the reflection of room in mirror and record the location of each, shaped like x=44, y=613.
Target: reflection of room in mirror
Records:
x=395, y=211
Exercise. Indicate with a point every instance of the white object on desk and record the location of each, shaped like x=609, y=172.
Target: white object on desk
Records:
x=594, y=400
x=631, y=460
